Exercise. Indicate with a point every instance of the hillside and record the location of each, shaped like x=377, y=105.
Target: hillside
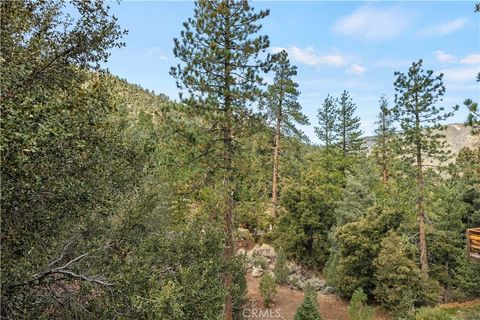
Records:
x=457, y=136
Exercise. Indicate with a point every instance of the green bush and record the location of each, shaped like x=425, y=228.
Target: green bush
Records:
x=281, y=268
x=308, y=310
x=433, y=314
x=260, y=262
x=268, y=288
x=358, y=309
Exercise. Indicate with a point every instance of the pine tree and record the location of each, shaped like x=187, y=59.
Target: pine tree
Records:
x=384, y=132
x=473, y=117
x=220, y=50
x=417, y=92
x=327, y=119
x=348, y=126
x=284, y=110
x=281, y=267
x=308, y=310
x=268, y=288
x=358, y=309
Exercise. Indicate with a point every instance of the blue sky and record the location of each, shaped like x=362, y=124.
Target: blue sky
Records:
x=353, y=46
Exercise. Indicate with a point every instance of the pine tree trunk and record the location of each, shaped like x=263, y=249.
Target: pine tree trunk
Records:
x=385, y=174
x=228, y=223
x=276, y=152
x=228, y=185
x=422, y=244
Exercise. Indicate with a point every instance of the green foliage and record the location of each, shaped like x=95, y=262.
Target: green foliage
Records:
x=383, y=150
x=432, y=314
x=281, y=103
x=281, y=267
x=358, y=308
x=348, y=127
x=417, y=93
x=268, y=288
x=310, y=200
x=308, y=309
x=473, y=117
x=399, y=285
x=327, y=121
x=261, y=262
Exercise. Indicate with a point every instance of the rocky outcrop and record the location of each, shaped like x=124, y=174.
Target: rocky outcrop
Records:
x=262, y=258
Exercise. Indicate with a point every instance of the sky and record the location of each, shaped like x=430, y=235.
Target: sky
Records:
x=353, y=46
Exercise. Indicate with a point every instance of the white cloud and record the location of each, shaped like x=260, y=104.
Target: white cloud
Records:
x=375, y=23
x=461, y=74
x=356, y=69
x=443, y=29
x=471, y=59
x=156, y=51
x=444, y=57
x=310, y=56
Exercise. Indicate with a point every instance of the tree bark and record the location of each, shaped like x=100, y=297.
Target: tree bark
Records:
x=228, y=223
x=228, y=185
x=422, y=243
x=276, y=169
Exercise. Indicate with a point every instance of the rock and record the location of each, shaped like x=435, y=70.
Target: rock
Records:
x=294, y=268
x=266, y=251
x=328, y=290
x=316, y=283
x=256, y=272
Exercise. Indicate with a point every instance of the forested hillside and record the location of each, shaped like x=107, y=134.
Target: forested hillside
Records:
x=122, y=203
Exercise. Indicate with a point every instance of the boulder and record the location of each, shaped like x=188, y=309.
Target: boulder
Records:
x=256, y=272
x=266, y=251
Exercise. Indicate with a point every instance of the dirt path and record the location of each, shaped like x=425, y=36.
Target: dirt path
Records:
x=287, y=300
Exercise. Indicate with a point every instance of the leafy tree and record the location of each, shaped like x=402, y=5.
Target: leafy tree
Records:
x=383, y=148
x=220, y=52
x=327, y=120
x=281, y=267
x=358, y=309
x=284, y=110
x=308, y=309
x=268, y=288
x=348, y=126
x=417, y=92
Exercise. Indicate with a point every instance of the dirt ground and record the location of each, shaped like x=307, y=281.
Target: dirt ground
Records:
x=287, y=300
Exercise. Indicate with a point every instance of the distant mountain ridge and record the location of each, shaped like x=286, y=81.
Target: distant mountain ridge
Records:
x=457, y=136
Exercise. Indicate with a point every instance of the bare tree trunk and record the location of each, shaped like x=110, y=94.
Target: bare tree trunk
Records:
x=276, y=169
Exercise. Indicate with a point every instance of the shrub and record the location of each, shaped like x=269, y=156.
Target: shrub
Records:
x=358, y=309
x=432, y=314
x=308, y=310
x=259, y=261
x=281, y=268
x=268, y=288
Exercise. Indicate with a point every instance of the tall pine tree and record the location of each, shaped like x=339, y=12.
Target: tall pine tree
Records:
x=327, y=119
x=284, y=111
x=384, y=132
x=348, y=126
x=417, y=93
x=220, y=49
